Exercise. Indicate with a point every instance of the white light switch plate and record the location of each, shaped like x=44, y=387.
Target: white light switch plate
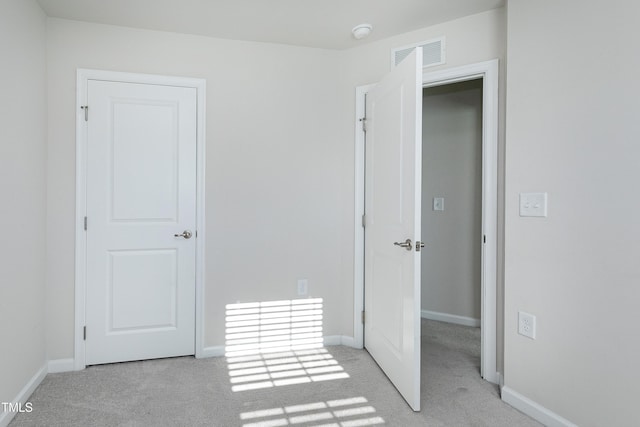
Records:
x=533, y=204
x=438, y=203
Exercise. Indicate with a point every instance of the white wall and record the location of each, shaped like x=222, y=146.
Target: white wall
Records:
x=279, y=182
x=275, y=173
x=452, y=169
x=22, y=195
x=471, y=39
x=573, y=131
x=279, y=156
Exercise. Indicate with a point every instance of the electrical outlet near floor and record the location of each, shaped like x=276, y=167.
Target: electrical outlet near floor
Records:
x=527, y=325
x=303, y=287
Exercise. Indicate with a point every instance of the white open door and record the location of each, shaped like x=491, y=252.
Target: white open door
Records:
x=141, y=219
x=392, y=230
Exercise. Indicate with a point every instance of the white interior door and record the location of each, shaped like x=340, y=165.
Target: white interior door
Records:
x=392, y=208
x=141, y=193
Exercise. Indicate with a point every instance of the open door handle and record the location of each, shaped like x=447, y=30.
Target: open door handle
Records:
x=406, y=244
x=186, y=234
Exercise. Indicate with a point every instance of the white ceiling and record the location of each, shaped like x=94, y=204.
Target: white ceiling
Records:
x=313, y=23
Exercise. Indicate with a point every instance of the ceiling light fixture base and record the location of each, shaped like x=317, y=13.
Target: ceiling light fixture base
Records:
x=361, y=31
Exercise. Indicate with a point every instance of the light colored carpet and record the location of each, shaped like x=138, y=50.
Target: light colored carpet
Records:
x=338, y=386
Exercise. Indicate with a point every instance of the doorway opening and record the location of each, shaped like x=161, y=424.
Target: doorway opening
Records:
x=484, y=75
x=451, y=282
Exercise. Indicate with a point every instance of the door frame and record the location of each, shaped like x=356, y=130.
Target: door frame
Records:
x=488, y=71
x=82, y=80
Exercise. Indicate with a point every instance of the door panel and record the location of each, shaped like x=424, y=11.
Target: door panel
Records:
x=141, y=192
x=135, y=276
x=392, y=208
x=387, y=299
x=143, y=128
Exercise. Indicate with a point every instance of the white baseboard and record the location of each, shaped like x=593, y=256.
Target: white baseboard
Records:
x=348, y=341
x=214, y=351
x=218, y=350
x=450, y=318
x=23, y=396
x=533, y=409
x=332, y=340
x=61, y=365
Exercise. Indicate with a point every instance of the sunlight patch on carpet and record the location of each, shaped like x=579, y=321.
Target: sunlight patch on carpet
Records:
x=352, y=412
x=277, y=343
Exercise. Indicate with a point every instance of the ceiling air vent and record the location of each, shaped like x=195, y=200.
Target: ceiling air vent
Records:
x=433, y=52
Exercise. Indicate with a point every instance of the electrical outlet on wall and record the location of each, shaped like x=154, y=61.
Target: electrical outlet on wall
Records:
x=303, y=287
x=527, y=325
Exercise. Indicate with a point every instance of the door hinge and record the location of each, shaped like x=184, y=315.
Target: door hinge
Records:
x=363, y=316
x=364, y=118
x=86, y=112
x=84, y=333
x=364, y=221
x=484, y=238
x=85, y=223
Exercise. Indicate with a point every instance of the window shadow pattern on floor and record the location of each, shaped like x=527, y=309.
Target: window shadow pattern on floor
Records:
x=351, y=412
x=277, y=343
